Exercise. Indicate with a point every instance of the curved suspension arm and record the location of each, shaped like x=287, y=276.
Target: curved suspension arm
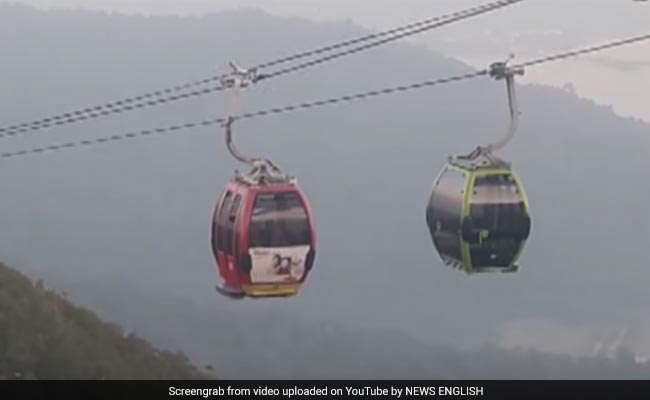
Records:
x=240, y=78
x=500, y=71
x=231, y=145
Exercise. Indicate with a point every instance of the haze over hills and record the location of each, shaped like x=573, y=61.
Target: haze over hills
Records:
x=44, y=336
x=529, y=29
x=124, y=228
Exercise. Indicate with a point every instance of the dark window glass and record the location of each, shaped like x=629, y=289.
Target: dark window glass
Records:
x=220, y=221
x=444, y=212
x=226, y=203
x=497, y=205
x=231, y=220
x=447, y=198
x=279, y=220
x=494, y=253
x=498, y=208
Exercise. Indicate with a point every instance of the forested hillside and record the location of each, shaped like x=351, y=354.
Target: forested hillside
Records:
x=44, y=336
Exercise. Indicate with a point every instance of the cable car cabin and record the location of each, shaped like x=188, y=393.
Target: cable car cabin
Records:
x=263, y=239
x=478, y=215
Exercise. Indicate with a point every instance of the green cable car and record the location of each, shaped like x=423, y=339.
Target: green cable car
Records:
x=478, y=213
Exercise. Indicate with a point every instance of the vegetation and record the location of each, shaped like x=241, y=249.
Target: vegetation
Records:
x=44, y=336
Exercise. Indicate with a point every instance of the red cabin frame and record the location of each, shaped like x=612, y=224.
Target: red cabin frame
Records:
x=230, y=240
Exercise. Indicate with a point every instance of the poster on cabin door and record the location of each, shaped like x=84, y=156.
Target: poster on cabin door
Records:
x=278, y=265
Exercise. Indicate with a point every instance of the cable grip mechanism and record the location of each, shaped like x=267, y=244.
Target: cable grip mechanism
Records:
x=240, y=77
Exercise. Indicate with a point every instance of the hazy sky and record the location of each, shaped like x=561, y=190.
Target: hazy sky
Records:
x=535, y=28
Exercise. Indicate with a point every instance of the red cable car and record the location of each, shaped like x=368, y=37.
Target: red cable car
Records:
x=263, y=233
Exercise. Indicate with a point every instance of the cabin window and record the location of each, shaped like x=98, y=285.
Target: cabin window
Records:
x=444, y=212
x=447, y=199
x=220, y=221
x=495, y=253
x=498, y=208
x=231, y=220
x=279, y=220
x=497, y=205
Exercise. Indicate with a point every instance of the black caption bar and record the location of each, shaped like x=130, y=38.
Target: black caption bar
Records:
x=335, y=390
x=314, y=390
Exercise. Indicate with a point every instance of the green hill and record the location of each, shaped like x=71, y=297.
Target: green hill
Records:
x=44, y=336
